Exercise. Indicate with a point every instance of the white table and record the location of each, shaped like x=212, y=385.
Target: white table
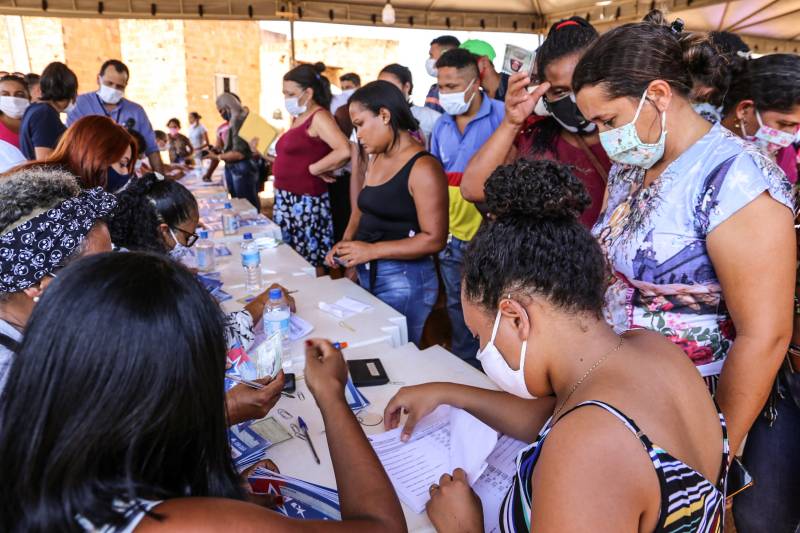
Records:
x=380, y=325
x=405, y=365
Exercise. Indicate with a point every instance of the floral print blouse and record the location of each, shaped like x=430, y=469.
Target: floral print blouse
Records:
x=655, y=241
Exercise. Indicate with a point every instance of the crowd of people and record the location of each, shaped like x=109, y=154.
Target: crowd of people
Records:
x=614, y=235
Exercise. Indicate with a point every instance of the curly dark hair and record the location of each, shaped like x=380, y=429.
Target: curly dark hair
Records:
x=535, y=244
x=145, y=204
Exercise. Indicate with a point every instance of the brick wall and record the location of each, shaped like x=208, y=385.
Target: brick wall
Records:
x=153, y=51
x=44, y=39
x=230, y=48
x=87, y=44
x=365, y=57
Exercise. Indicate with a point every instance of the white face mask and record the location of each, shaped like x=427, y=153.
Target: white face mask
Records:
x=430, y=66
x=511, y=381
x=293, y=106
x=110, y=95
x=454, y=104
x=13, y=106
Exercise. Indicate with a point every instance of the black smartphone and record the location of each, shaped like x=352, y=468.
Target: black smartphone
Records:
x=289, y=384
x=339, y=262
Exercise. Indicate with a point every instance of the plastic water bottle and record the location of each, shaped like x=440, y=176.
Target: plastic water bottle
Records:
x=276, y=317
x=205, y=252
x=251, y=261
x=229, y=222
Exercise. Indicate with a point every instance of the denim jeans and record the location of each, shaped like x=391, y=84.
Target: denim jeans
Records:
x=451, y=265
x=241, y=178
x=409, y=287
x=772, y=456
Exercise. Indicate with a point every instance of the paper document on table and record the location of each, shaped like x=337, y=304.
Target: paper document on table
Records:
x=345, y=307
x=299, y=328
x=444, y=440
x=495, y=481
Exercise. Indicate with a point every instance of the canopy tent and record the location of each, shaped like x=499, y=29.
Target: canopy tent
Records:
x=769, y=25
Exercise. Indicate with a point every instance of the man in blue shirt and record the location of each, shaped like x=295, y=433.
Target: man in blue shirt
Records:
x=109, y=101
x=471, y=118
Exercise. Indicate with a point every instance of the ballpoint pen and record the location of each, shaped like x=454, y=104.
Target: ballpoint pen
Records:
x=247, y=382
x=304, y=429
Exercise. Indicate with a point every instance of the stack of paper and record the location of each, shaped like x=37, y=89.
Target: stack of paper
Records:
x=345, y=307
x=301, y=499
x=299, y=328
x=495, y=481
x=445, y=440
x=247, y=221
x=247, y=446
x=211, y=281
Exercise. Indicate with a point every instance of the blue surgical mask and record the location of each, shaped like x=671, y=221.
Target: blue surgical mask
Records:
x=116, y=181
x=624, y=146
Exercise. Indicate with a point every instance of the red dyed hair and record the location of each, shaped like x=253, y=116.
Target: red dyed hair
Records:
x=89, y=147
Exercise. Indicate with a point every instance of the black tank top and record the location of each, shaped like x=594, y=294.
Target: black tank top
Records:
x=388, y=212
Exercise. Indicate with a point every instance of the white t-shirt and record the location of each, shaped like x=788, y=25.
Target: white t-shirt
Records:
x=426, y=117
x=197, y=135
x=10, y=156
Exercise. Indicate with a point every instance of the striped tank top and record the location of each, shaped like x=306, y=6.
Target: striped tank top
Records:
x=689, y=502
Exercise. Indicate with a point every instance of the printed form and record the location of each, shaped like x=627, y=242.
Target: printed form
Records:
x=445, y=440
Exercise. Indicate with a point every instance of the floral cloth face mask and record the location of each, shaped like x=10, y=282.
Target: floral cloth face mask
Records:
x=624, y=146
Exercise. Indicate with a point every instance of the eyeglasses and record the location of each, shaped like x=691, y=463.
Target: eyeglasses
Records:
x=191, y=238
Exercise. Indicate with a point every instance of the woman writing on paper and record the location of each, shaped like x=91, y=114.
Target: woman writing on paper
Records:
x=534, y=279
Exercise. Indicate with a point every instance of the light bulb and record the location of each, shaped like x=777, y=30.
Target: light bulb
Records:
x=388, y=13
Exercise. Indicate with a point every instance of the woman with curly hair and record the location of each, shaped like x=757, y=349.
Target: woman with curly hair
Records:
x=533, y=294
x=161, y=216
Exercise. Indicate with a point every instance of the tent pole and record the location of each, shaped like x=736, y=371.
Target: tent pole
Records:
x=291, y=40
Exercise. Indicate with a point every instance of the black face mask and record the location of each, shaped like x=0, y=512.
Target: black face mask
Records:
x=566, y=113
x=115, y=180
x=226, y=115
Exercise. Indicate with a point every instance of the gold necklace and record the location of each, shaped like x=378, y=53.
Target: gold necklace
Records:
x=586, y=375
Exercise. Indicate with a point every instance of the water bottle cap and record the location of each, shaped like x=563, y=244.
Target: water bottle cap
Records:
x=247, y=236
x=228, y=205
x=202, y=234
x=275, y=294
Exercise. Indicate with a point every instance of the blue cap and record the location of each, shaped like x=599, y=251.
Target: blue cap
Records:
x=247, y=236
x=275, y=294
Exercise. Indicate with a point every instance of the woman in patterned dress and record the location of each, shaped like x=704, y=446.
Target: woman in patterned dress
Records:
x=698, y=224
